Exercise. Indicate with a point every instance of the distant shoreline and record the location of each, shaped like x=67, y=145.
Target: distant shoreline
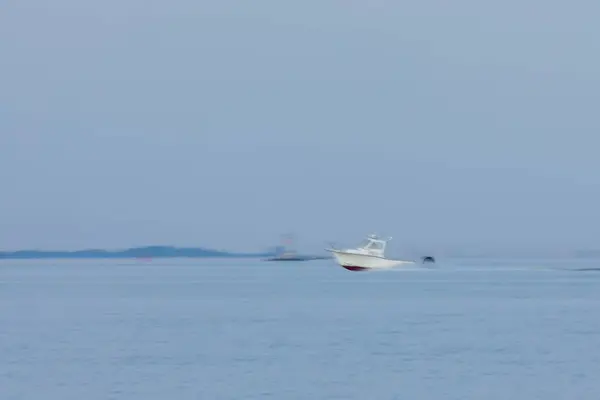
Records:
x=149, y=252
x=136, y=252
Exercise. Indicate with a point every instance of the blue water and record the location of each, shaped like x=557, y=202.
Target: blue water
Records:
x=231, y=329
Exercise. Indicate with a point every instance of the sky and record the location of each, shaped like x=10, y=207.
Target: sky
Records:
x=225, y=124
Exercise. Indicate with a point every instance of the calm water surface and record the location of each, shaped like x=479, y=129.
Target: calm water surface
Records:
x=189, y=329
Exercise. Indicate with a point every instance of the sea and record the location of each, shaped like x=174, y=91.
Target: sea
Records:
x=245, y=329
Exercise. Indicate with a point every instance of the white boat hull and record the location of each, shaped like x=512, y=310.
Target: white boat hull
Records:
x=364, y=262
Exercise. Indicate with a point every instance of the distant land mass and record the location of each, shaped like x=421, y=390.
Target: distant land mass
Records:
x=136, y=252
x=276, y=252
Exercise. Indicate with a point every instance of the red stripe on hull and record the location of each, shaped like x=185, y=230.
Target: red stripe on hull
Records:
x=354, y=268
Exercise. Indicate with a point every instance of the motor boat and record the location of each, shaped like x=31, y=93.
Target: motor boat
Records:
x=369, y=255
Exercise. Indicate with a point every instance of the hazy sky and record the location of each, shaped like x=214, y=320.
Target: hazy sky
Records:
x=226, y=123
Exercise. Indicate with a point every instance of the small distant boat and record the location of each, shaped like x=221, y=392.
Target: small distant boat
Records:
x=289, y=254
x=369, y=255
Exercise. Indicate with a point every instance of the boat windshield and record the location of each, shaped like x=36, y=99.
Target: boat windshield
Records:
x=376, y=246
x=369, y=244
x=364, y=243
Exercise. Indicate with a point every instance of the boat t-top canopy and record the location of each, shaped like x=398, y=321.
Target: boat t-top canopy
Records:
x=374, y=244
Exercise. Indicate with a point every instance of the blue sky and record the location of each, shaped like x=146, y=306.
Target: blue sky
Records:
x=227, y=123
